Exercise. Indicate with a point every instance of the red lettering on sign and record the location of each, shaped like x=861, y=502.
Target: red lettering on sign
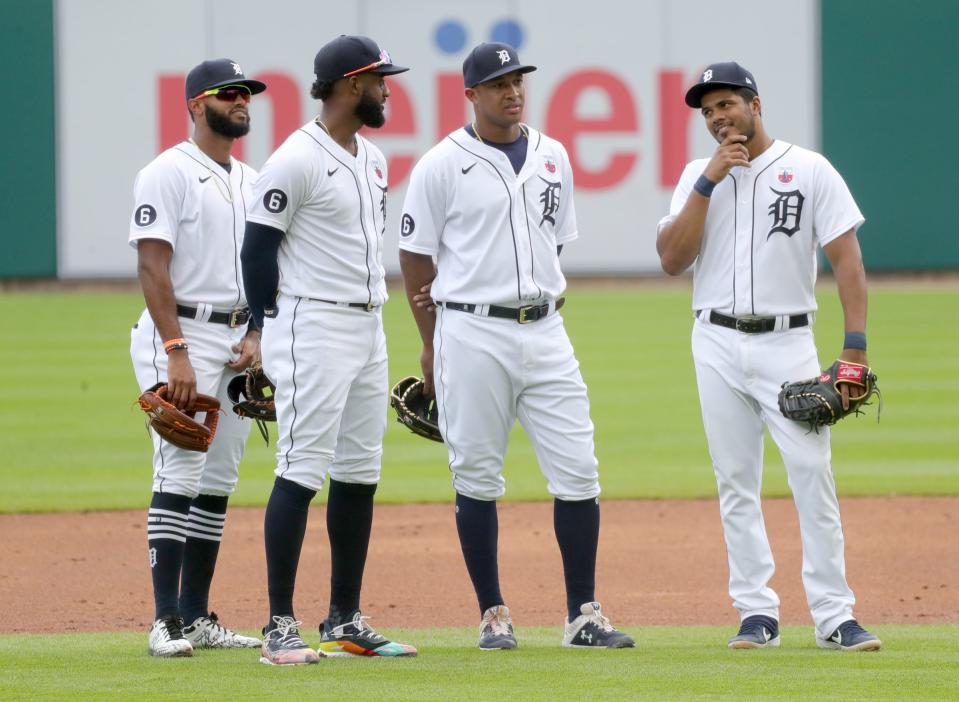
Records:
x=175, y=123
x=674, y=116
x=563, y=124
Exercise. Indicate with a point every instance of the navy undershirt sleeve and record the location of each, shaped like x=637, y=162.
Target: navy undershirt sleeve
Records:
x=261, y=275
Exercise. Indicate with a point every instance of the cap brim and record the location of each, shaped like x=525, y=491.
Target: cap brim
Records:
x=502, y=72
x=255, y=86
x=390, y=70
x=694, y=96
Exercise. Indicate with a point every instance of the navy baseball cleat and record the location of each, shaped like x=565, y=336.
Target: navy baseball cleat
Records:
x=757, y=631
x=592, y=630
x=496, y=629
x=849, y=636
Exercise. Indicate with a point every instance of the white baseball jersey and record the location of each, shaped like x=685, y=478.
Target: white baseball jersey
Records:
x=758, y=255
x=189, y=200
x=332, y=206
x=503, y=254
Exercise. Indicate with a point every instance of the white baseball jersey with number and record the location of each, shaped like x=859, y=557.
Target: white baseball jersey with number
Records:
x=190, y=201
x=494, y=234
x=758, y=259
x=325, y=348
x=332, y=206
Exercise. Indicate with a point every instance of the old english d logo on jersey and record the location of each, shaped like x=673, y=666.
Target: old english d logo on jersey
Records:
x=786, y=210
x=550, y=201
x=383, y=190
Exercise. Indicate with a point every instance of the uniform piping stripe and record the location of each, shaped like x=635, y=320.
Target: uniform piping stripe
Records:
x=293, y=379
x=236, y=244
x=366, y=163
x=156, y=370
x=529, y=235
x=510, y=196
x=752, y=230
x=446, y=423
x=735, y=232
x=359, y=194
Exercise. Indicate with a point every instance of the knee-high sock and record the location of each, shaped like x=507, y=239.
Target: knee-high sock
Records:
x=478, y=529
x=204, y=531
x=284, y=527
x=349, y=521
x=166, y=535
x=577, y=532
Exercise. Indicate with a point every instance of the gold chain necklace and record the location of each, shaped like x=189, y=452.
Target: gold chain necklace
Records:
x=326, y=129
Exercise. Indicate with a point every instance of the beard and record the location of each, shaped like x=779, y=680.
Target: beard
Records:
x=370, y=112
x=223, y=125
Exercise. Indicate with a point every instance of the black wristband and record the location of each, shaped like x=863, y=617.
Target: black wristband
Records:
x=855, y=340
x=704, y=186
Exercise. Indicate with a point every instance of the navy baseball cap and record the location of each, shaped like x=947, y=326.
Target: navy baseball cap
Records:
x=720, y=75
x=349, y=55
x=491, y=60
x=217, y=73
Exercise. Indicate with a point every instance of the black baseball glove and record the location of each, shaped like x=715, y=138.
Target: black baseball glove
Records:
x=247, y=393
x=818, y=401
x=414, y=409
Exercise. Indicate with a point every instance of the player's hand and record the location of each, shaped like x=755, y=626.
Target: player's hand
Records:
x=423, y=299
x=730, y=153
x=181, y=380
x=426, y=365
x=248, y=351
x=853, y=356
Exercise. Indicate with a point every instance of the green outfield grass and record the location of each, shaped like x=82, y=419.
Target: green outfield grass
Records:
x=918, y=663
x=73, y=439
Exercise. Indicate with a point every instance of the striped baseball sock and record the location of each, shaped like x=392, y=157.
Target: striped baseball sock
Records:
x=166, y=536
x=204, y=531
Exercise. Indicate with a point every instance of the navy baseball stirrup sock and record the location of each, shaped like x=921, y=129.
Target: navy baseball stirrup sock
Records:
x=284, y=527
x=577, y=531
x=478, y=529
x=166, y=535
x=204, y=531
x=349, y=520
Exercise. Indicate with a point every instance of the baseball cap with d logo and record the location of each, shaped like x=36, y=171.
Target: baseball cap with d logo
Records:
x=217, y=73
x=491, y=60
x=720, y=75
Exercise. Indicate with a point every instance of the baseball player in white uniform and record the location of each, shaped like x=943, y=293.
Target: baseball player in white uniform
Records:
x=313, y=267
x=493, y=204
x=750, y=219
x=194, y=335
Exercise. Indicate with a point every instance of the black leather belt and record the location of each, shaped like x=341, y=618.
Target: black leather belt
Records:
x=368, y=306
x=234, y=318
x=755, y=325
x=523, y=315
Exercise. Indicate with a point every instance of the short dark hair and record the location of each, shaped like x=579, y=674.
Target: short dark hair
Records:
x=747, y=94
x=321, y=89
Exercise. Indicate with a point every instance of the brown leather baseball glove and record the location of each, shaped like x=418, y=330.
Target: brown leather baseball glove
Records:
x=180, y=427
x=414, y=409
x=248, y=394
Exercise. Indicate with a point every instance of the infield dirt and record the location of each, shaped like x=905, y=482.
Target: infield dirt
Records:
x=660, y=562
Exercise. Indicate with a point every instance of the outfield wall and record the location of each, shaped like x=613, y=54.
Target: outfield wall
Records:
x=610, y=86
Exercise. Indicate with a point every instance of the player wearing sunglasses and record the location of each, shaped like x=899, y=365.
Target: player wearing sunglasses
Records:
x=195, y=337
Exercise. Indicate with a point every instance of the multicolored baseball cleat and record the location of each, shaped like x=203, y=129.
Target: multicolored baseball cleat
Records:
x=282, y=645
x=357, y=638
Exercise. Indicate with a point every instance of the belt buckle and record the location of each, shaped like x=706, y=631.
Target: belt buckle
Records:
x=749, y=326
x=235, y=318
x=369, y=307
x=523, y=311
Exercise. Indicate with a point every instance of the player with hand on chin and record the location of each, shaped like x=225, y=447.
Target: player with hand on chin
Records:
x=195, y=335
x=749, y=219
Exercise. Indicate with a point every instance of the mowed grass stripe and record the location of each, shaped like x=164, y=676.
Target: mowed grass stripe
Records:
x=670, y=663
x=73, y=439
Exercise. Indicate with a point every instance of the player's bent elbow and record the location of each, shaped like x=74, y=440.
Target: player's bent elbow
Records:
x=671, y=265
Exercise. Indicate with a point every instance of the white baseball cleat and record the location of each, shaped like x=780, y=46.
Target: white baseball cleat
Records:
x=167, y=640
x=207, y=632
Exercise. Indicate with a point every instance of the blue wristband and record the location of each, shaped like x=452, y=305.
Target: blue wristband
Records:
x=704, y=186
x=855, y=340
